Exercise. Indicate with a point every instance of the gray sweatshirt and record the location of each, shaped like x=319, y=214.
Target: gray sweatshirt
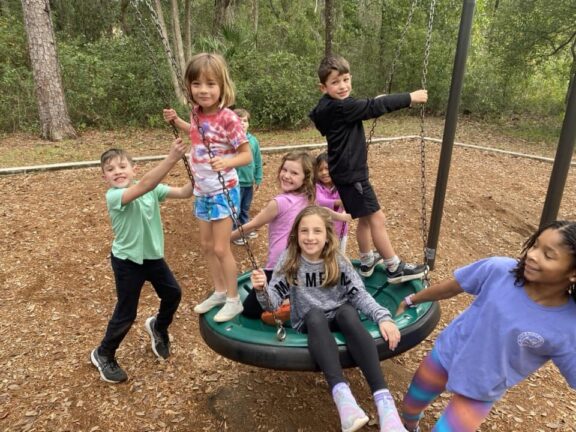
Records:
x=309, y=294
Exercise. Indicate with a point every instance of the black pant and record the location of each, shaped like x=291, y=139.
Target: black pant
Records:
x=252, y=308
x=130, y=278
x=324, y=350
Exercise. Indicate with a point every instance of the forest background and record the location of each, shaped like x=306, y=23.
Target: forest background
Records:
x=521, y=59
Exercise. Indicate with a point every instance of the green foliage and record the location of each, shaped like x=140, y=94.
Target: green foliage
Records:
x=519, y=59
x=18, y=109
x=278, y=89
x=110, y=83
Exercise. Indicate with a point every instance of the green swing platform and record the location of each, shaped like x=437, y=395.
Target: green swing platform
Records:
x=253, y=342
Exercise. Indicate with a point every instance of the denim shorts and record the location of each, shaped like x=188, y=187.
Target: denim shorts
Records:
x=215, y=207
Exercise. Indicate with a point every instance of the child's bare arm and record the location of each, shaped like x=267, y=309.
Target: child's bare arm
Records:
x=171, y=116
x=182, y=192
x=265, y=216
x=243, y=157
x=151, y=179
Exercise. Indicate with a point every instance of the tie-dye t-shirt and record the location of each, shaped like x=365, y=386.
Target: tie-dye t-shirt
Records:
x=223, y=133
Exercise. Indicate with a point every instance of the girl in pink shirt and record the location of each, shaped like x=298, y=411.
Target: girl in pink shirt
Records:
x=296, y=182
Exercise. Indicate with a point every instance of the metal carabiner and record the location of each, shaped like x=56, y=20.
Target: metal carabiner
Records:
x=280, y=330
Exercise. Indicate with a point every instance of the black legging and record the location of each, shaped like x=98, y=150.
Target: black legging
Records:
x=252, y=308
x=324, y=350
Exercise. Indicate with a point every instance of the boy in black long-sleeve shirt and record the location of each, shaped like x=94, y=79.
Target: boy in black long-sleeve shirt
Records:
x=339, y=118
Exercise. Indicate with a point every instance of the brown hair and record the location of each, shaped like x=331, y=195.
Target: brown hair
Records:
x=215, y=65
x=242, y=113
x=329, y=254
x=332, y=63
x=114, y=153
x=308, y=187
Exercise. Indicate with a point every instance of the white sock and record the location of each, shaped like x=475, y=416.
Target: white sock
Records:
x=367, y=258
x=392, y=263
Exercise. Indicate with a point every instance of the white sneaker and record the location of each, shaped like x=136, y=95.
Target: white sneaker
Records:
x=216, y=299
x=231, y=308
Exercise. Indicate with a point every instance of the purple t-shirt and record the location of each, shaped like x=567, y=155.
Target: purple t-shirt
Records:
x=504, y=335
x=326, y=197
x=289, y=205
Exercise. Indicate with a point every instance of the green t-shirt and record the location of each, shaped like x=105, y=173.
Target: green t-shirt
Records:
x=137, y=226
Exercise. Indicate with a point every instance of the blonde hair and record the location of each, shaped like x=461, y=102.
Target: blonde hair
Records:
x=215, y=65
x=329, y=254
x=308, y=188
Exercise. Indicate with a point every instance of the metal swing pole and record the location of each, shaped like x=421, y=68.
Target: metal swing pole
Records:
x=562, y=159
x=458, y=72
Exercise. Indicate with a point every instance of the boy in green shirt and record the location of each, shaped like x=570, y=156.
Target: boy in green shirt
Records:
x=138, y=253
x=249, y=176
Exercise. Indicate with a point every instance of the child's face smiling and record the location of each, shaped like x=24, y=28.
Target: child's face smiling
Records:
x=337, y=86
x=118, y=172
x=548, y=261
x=311, y=237
x=291, y=176
x=206, y=93
x=324, y=174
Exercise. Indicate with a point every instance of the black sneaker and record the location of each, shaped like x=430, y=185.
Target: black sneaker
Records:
x=406, y=272
x=367, y=270
x=160, y=343
x=110, y=370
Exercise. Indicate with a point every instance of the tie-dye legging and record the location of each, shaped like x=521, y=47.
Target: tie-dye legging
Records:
x=461, y=415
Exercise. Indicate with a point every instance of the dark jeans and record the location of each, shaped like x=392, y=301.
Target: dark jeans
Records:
x=246, y=195
x=324, y=350
x=130, y=278
x=252, y=308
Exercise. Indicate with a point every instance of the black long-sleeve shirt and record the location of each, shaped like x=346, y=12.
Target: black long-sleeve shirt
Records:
x=340, y=121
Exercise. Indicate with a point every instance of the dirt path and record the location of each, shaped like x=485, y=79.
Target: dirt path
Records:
x=58, y=293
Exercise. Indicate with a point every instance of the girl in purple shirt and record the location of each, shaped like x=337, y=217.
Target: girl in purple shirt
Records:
x=523, y=315
x=327, y=196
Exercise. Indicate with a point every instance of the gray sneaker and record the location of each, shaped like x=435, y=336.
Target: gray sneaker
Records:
x=406, y=272
x=367, y=270
x=160, y=343
x=110, y=370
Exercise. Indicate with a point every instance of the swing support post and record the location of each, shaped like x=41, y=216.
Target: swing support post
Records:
x=449, y=129
x=562, y=159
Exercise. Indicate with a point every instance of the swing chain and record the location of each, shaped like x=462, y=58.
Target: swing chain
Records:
x=163, y=94
x=423, y=213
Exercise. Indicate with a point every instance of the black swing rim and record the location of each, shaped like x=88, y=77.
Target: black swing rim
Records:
x=298, y=359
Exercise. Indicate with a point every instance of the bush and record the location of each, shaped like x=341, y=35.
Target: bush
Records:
x=278, y=89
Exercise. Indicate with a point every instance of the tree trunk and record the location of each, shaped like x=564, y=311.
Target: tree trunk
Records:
x=176, y=75
x=177, y=36
x=122, y=19
x=221, y=15
x=53, y=113
x=255, y=18
x=329, y=26
x=187, y=30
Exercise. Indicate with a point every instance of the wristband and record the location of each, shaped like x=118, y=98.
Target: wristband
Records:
x=408, y=301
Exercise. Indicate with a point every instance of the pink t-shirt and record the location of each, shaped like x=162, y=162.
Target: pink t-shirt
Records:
x=223, y=133
x=326, y=197
x=289, y=205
